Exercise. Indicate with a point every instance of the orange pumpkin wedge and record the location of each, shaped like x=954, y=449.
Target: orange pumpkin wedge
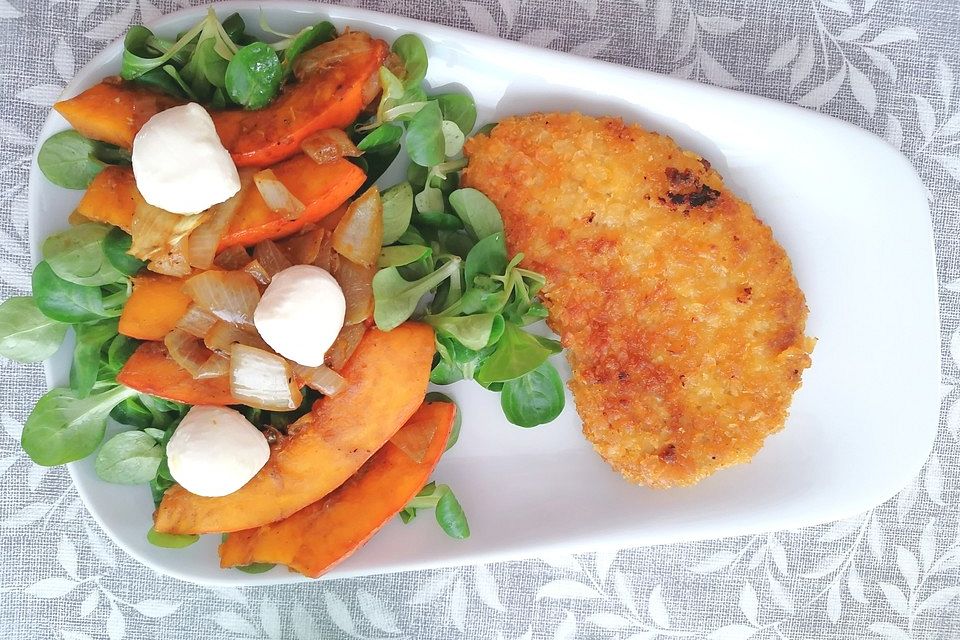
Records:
x=154, y=307
x=328, y=98
x=322, y=188
x=319, y=536
x=386, y=381
x=113, y=111
x=113, y=198
x=151, y=370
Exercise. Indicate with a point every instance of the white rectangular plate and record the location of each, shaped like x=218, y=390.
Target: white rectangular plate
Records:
x=849, y=210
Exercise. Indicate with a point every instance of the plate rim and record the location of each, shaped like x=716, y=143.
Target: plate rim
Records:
x=344, y=14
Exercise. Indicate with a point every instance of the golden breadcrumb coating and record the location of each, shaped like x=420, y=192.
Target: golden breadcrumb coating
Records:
x=682, y=319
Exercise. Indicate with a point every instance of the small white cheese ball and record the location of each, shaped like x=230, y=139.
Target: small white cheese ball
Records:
x=215, y=451
x=301, y=313
x=179, y=163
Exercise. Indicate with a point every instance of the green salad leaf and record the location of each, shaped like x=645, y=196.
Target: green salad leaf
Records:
x=78, y=255
x=170, y=540
x=487, y=257
x=91, y=340
x=26, y=334
x=69, y=302
x=116, y=246
x=397, y=209
x=474, y=331
x=384, y=136
x=130, y=457
x=458, y=108
x=479, y=214
x=414, y=55
x=307, y=39
x=447, y=509
x=254, y=75
x=256, y=567
x=517, y=353
x=71, y=161
x=396, y=298
x=425, y=144
x=401, y=255
x=534, y=398
x=64, y=427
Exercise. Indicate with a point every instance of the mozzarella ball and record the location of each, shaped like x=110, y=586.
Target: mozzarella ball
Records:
x=301, y=313
x=215, y=451
x=179, y=163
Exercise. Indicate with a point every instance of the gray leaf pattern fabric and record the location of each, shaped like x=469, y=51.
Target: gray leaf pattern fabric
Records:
x=889, y=66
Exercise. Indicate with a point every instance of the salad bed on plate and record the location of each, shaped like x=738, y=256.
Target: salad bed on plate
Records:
x=164, y=306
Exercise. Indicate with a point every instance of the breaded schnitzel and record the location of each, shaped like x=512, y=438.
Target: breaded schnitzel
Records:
x=680, y=313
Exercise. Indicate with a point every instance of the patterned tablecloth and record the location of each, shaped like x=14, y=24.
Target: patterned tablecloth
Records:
x=889, y=66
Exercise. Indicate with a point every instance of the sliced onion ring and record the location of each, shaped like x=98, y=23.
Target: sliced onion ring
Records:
x=344, y=346
x=356, y=282
x=359, y=234
x=276, y=195
x=223, y=335
x=187, y=351
x=205, y=238
x=261, y=275
x=329, y=145
x=229, y=295
x=216, y=366
x=327, y=258
x=269, y=255
x=262, y=380
x=232, y=258
x=196, y=321
x=304, y=248
x=322, y=378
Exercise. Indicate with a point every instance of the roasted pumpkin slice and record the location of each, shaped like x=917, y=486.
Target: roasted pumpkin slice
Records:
x=151, y=370
x=154, y=307
x=319, y=536
x=113, y=111
x=387, y=379
x=329, y=96
x=113, y=198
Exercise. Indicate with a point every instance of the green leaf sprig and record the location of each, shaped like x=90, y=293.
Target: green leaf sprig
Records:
x=83, y=282
x=446, y=508
x=218, y=64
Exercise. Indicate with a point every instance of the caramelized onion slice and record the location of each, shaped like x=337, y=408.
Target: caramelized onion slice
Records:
x=216, y=366
x=196, y=321
x=276, y=195
x=173, y=261
x=304, y=248
x=223, y=335
x=329, y=145
x=187, y=351
x=322, y=378
x=232, y=259
x=154, y=231
x=269, y=255
x=262, y=380
x=229, y=295
x=206, y=237
x=356, y=282
x=255, y=269
x=358, y=235
x=327, y=258
x=344, y=346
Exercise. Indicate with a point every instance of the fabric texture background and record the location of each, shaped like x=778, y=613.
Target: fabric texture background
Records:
x=889, y=66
